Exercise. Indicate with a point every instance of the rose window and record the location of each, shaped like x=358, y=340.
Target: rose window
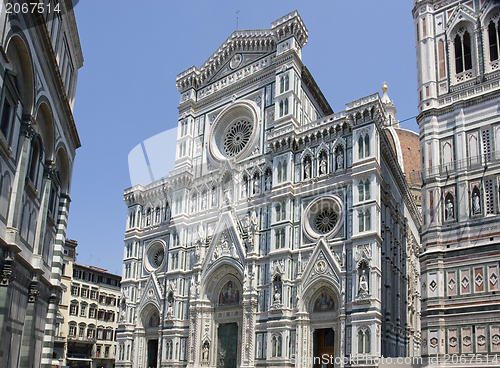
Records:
x=158, y=257
x=155, y=256
x=237, y=137
x=325, y=220
x=323, y=217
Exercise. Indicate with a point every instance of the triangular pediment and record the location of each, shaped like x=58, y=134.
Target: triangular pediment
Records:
x=243, y=60
x=322, y=265
x=226, y=245
x=151, y=293
x=461, y=15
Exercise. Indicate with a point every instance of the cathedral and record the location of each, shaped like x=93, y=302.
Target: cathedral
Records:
x=286, y=232
x=458, y=60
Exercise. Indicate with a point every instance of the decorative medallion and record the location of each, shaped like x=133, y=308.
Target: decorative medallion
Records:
x=452, y=284
x=493, y=278
x=235, y=61
x=155, y=255
x=453, y=341
x=433, y=342
x=433, y=285
x=479, y=279
x=495, y=339
x=321, y=266
x=481, y=340
x=465, y=282
x=467, y=340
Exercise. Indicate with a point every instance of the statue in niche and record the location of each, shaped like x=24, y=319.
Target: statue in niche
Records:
x=157, y=215
x=244, y=189
x=277, y=294
x=322, y=165
x=449, y=210
x=268, y=182
x=204, y=201
x=256, y=186
x=214, y=196
x=307, y=168
x=252, y=228
x=229, y=294
x=340, y=159
x=200, y=234
x=363, y=283
x=205, y=352
x=167, y=213
x=323, y=303
x=476, y=203
x=170, y=306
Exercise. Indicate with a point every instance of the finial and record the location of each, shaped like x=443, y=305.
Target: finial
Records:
x=384, y=87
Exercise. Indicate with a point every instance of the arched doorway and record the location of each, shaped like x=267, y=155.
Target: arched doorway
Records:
x=151, y=323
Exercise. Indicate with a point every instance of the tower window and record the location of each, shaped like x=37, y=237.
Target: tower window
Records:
x=493, y=37
x=463, y=54
x=441, y=62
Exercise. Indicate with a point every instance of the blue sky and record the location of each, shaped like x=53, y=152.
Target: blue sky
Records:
x=134, y=50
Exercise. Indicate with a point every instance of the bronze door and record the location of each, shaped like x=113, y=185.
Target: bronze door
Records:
x=227, y=345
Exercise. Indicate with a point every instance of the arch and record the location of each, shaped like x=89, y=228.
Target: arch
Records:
x=217, y=278
x=63, y=169
x=315, y=289
x=150, y=316
x=20, y=58
x=45, y=123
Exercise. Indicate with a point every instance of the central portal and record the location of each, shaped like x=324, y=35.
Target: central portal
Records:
x=152, y=353
x=323, y=346
x=227, y=345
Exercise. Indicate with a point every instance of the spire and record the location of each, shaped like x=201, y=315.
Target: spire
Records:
x=390, y=110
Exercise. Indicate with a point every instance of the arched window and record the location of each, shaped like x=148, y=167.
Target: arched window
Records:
x=441, y=62
x=360, y=147
x=278, y=212
x=367, y=189
x=493, y=37
x=361, y=191
x=367, y=145
x=283, y=211
x=286, y=106
x=282, y=84
x=281, y=108
x=34, y=160
x=287, y=82
x=276, y=346
x=463, y=53
x=364, y=341
x=279, y=172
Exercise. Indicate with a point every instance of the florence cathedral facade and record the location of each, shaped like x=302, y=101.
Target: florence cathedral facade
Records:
x=286, y=231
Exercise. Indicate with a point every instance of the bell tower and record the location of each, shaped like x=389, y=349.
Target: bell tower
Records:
x=457, y=46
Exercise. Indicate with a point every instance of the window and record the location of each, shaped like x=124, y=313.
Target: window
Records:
x=6, y=121
x=364, y=220
x=100, y=333
x=280, y=211
x=364, y=341
x=92, y=312
x=463, y=55
x=276, y=344
x=280, y=238
x=35, y=159
x=261, y=348
x=85, y=293
x=168, y=350
x=489, y=196
x=364, y=190
x=363, y=146
x=83, y=310
x=8, y=106
x=93, y=294
x=493, y=37
x=73, y=309
x=72, y=331
x=81, y=331
x=441, y=62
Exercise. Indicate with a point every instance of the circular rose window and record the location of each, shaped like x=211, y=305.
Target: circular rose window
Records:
x=155, y=255
x=322, y=217
x=237, y=136
x=234, y=132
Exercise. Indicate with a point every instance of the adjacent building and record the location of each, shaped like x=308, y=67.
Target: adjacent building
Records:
x=285, y=231
x=458, y=60
x=40, y=55
x=87, y=318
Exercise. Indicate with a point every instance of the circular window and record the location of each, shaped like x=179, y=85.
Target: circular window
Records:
x=237, y=136
x=322, y=217
x=233, y=134
x=325, y=221
x=155, y=255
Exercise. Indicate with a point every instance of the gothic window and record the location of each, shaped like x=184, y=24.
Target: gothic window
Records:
x=463, y=52
x=276, y=344
x=286, y=106
x=493, y=37
x=287, y=82
x=169, y=350
x=279, y=172
x=157, y=215
x=489, y=196
x=261, y=348
x=282, y=84
x=35, y=159
x=363, y=146
x=367, y=189
x=148, y=217
x=278, y=212
x=280, y=238
x=361, y=191
x=363, y=341
x=364, y=220
x=441, y=61
x=486, y=141
x=281, y=108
